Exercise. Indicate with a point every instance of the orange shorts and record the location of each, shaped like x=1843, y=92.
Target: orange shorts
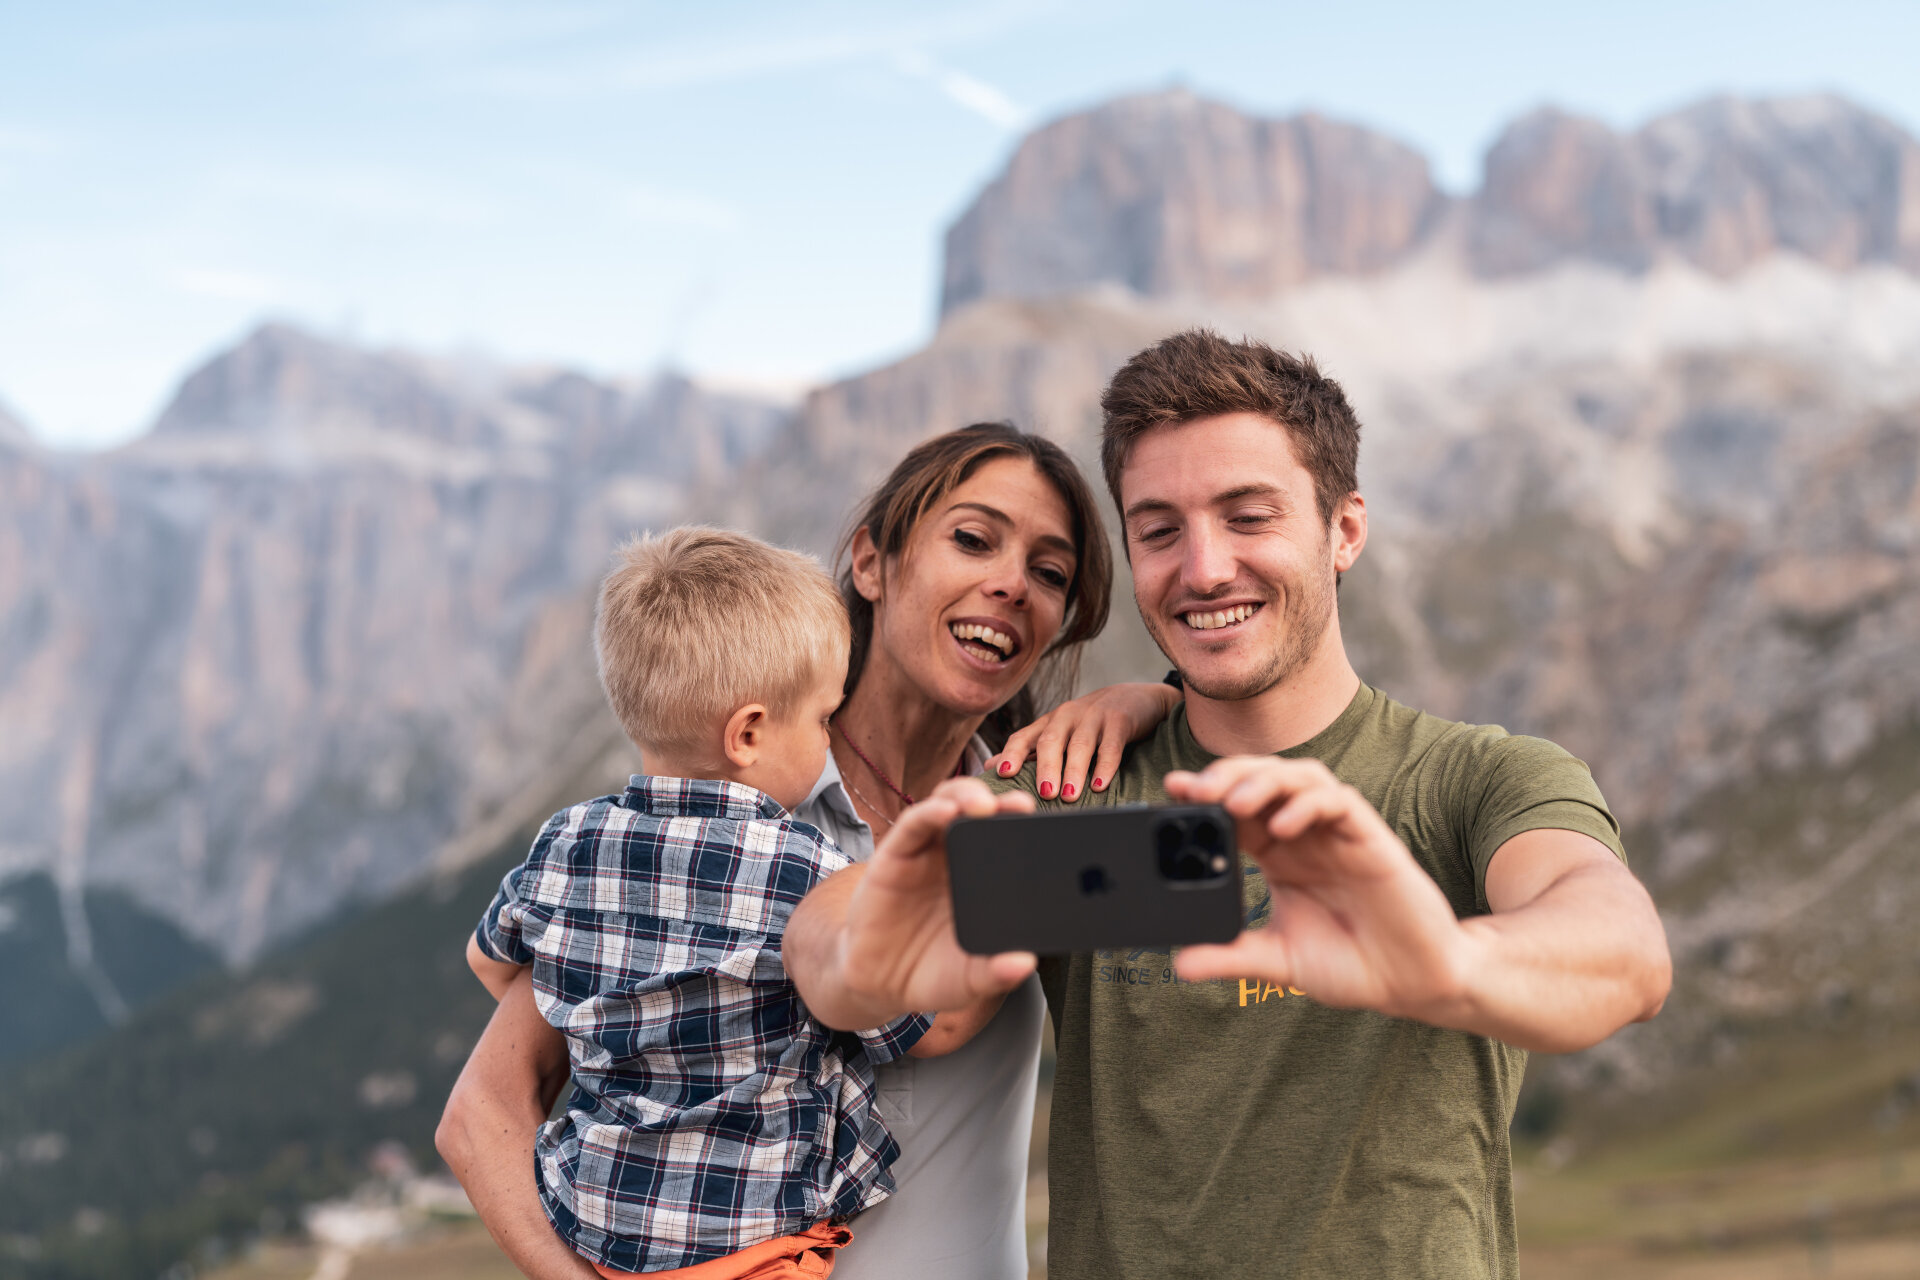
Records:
x=806, y=1256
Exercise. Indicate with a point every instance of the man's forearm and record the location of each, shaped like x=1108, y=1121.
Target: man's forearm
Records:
x=1566, y=970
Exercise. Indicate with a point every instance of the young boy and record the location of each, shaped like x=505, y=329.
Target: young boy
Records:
x=715, y=1130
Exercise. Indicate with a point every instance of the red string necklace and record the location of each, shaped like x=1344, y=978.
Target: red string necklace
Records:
x=885, y=781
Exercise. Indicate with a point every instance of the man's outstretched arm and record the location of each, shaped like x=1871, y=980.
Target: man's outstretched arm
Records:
x=486, y=1135
x=1573, y=951
x=875, y=941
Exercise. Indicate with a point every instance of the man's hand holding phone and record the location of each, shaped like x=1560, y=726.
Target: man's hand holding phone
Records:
x=1356, y=922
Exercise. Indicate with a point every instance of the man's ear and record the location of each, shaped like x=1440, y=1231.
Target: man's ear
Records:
x=1348, y=533
x=744, y=736
x=865, y=563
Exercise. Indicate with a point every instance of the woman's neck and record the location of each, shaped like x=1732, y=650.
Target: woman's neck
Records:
x=914, y=741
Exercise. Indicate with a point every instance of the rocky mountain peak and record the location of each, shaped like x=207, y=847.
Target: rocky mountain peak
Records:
x=284, y=382
x=1171, y=194
x=1720, y=184
x=1556, y=186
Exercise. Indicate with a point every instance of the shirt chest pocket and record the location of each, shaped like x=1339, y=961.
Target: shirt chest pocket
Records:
x=894, y=1091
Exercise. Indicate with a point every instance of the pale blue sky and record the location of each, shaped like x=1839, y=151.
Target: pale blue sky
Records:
x=743, y=189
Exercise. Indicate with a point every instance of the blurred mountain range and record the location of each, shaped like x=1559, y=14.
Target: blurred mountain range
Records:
x=327, y=620
x=1642, y=454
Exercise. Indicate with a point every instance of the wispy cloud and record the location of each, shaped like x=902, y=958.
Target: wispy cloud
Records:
x=609, y=69
x=467, y=26
x=974, y=94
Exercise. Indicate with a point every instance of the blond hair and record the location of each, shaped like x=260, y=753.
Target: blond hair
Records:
x=697, y=622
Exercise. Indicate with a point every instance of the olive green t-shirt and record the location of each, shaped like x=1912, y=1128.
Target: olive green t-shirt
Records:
x=1225, y=1129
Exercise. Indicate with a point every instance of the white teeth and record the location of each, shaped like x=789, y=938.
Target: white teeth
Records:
x=983, y=635
x=1220, y=617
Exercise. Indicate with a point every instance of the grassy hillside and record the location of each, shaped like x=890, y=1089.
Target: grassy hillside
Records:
x=46, y=1005
x=218, y=1111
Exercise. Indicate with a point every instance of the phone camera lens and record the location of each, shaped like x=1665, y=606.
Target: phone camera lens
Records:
x=1191, y=849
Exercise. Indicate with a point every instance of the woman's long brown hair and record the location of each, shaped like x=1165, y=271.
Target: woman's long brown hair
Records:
x=933, y=469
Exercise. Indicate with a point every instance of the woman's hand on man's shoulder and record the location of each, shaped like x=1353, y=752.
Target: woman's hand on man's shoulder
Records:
x=1076, y=747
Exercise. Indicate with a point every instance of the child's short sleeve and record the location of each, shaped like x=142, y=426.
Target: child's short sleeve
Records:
x=884, y=1044
x=499, y=932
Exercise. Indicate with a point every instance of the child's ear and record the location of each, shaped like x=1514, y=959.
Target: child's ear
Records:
x=744, y=735
x=864, y=562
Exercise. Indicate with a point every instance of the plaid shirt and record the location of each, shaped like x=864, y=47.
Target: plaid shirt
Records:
x=709, y=1110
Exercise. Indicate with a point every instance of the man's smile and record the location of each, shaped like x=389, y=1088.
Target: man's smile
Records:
x=1218, y=619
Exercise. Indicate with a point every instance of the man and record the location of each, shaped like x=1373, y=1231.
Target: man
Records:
x=1329, y=1095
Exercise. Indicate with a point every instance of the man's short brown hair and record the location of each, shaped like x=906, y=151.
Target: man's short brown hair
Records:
x=697, y=622
x=1199, y=374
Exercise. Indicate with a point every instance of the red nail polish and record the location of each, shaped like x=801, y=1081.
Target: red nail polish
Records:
x=1067, y=792
x=1006, y=767
x=1046, y=791
x=1099, y=784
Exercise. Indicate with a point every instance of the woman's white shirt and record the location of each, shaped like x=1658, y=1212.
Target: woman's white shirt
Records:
x=963, y=1121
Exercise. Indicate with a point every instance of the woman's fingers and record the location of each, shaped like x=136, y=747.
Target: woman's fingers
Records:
x=1014, y=754
x=1080, y=749
x=1049, y=752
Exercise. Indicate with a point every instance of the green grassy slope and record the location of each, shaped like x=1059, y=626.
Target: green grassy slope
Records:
x=220, y=1110
x=44, y=1004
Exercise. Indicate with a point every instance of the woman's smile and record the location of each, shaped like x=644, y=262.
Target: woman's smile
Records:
x=987, y=640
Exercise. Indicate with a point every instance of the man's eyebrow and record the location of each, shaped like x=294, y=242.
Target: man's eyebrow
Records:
x=1249, y=491
x=1146, y=505
x=1051, y=541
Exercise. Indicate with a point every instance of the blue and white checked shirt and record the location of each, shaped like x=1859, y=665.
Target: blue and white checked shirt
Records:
x=709, y=1111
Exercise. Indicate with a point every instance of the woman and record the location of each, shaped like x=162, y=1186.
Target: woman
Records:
x=973, y=576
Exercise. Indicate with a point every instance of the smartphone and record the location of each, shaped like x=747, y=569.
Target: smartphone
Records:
x=1064, y=882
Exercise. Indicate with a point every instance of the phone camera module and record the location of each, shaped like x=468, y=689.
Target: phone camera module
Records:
x=1190, y=851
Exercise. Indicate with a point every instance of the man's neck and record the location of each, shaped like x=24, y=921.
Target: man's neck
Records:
x=916, y=742
x=1290, y=713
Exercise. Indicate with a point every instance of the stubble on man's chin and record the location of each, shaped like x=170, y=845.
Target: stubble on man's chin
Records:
x=1304, y=628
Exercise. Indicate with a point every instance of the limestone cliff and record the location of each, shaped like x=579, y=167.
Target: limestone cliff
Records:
x=1171, y=194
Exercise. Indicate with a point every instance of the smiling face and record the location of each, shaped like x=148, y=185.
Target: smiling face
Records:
x=1233, y=568
x=971, y=604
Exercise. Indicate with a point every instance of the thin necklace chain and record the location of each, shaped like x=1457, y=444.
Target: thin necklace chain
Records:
x=867, y=800
x=877, y=771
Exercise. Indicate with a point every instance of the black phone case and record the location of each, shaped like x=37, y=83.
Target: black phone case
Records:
x=1058, y=883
